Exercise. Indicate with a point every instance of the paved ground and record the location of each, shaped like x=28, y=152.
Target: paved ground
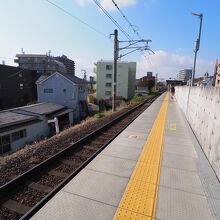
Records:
x=181, y=193
x=187, y=187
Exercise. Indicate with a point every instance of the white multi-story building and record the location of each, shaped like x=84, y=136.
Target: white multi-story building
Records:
x=184, y=75
x=126, y=76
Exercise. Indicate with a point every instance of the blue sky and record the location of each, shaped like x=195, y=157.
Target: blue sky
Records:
x=38, y=27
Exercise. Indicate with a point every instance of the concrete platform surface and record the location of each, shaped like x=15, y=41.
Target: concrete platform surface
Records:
x=182, y=193
x=187, y=187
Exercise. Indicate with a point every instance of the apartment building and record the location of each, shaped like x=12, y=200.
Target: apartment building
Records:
x=184, y=75
x=46, y=63
x=68, y=63
x=17, y=86
x=126, y=76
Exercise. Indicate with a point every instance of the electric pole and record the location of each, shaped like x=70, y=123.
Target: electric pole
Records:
x=132, y=46
x=115, y=70
x=197, y=45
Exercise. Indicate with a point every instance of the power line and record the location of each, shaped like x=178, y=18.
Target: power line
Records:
x=76, y=18
x=112, y=19
x=130, y=25
x=123, y=15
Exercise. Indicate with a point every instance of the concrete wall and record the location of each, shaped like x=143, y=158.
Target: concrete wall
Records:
x=201, y=106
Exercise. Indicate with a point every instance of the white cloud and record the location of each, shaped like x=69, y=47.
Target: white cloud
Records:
x=108, y=5
x=83, y=2
x=84, y=64
x=167, y=65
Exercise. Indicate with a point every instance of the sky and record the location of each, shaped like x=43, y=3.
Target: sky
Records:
x=37, y=27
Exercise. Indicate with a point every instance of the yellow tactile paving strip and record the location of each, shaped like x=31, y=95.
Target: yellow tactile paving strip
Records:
x=140, y=197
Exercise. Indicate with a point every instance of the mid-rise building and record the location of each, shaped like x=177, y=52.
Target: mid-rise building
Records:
x=184, y=75
x=17, y=86
x=46, y=63
x=145, y=83
x=68, y=63
x=126, y=75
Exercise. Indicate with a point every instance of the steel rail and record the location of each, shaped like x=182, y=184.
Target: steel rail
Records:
x=4, y=189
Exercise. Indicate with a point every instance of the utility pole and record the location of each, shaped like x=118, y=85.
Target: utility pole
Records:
x=132, y=46
x=156, y=82
x=115, y=70
x=197, y=45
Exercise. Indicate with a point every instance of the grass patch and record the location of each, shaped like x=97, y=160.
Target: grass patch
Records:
x=137, y=99
x=99, y=115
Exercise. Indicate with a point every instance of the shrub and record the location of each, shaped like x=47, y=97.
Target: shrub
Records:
x=137, y=99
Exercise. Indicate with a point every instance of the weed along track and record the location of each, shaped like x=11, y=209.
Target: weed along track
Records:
x=25, y=194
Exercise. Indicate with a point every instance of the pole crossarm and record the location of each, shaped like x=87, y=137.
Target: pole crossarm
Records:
x=132, y=46
x=134, y=42
x=137, y=47
x=131, y=41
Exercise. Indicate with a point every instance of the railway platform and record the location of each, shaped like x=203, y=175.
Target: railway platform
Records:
x=155, y=169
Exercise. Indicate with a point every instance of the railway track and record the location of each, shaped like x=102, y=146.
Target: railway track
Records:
x=23, y=196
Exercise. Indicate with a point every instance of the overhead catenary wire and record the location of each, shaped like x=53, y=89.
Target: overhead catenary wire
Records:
x=94, y=28
x=112, y=19
x=78, y=19
x=132, y=26
x=124, y=16
x=117, y=24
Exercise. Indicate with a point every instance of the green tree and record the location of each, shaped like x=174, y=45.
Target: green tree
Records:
x=151, y=84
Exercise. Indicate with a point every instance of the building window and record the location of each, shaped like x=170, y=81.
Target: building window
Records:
x=48, y=90
x=108, y=84
x=21, y=86
x=108, y=92
x=19, y=134
x=108, y=76
x=5, y=144
x=64, y=90
x=81, y=89
x=108, y=67
x=73, y=95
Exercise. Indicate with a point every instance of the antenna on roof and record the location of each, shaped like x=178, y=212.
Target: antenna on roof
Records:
x=22, y=51
x=84, y=74
x=49, y=53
